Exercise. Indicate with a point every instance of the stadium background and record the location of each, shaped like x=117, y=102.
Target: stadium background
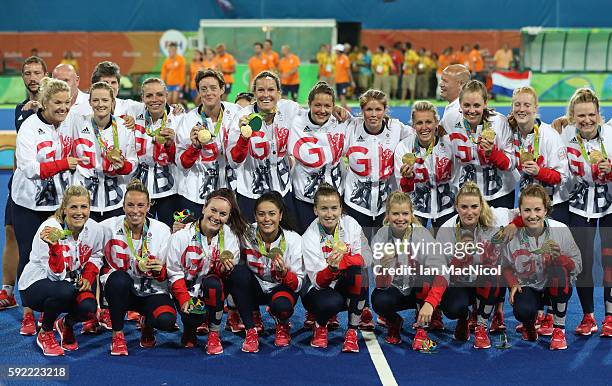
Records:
x=574, y=51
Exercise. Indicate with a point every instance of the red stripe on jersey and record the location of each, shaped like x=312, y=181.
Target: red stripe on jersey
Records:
x=459, y=136
x=574, y=151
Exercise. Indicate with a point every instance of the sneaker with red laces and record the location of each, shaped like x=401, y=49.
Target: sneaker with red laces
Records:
x=546, y=326
x=28, y=325
x=147, y=335
x=606, y=327
x=481, y=338
x=436, y=322
x=258, y=322
x=282, y=337
x=118, y=344
x=90, y=326
x=104, y=319
x=473, y=321
x=394, y=330
x=7, y=301
x=251, y=341
x=587, y=326
x=558, y=340
x=462, y=331
x=133, y=316
x=213, y=346
x=366, y=321
x=234, y=324
x=310, y=320
x=381, y=322
x=202, y=329
x=497, y=323
x=333, y=323
x=189, y=339
x=420, y=337
x=319, y=337
x=47, y=342
x=350, y=341
x=529, y=332
x=66, y=334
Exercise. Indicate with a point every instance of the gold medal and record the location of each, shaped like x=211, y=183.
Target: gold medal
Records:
x=526, y=156
x=226, y=256
x=57, y=234
x=596, y=156
x=160, y=139
x=246, y=131
x=409, y=158
x=275, y=252
x=548, y=246
x=340, y=247
x=142, y=265
x=114, y=154
x=204, y=135
x=488, y=134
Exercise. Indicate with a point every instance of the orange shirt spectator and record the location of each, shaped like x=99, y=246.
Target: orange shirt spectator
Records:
x=273, y=58
x=225, y=63
x=257, y=64
x=173, y=71
x=476, y=61
x=503, y=58
x=288, y=67
x=343, y=68
x=444, y=60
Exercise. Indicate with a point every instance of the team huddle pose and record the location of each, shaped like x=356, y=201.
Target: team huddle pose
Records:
x=145, y=210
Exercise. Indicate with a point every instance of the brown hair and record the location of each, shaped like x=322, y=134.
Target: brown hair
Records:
x=210, y=73
x=266, y=74
x=535, y=190
x=236, y=222
x=321, y=88
x=326, y=189
x=136, y=185
x=102, y=86
x=32, y=60
x=104, y=69
x=276, y=199
x=476, y=86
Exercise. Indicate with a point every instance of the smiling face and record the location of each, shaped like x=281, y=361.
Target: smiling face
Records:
x=267, y=94
x=268, y=217
x=399, y=216
x=473, y=106
x=321, y=108
x=425, y=125
x=76, y=212
x=328, y=209
x=469, y=208
x=214, y=215
x=373, y=114
x=586, y=117
x=524, y=109
x=533, y=213
x=101, y=103
x=136, y=205
x=154, y=97
x=56, y=107
x=210, y=92
x=449, y=86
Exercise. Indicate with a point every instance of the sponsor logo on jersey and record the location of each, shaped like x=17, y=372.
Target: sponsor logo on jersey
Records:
x=120, y=232
x=140, y=116
x=573, y=140
x=360, y=139
x=307, y=129
x=458, y=125
x=85, y=130
x=41, y=131
x=20, y=118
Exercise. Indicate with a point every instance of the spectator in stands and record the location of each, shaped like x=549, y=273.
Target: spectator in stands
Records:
x=425, y=67
x=173, y=73
x=395, y=74
x=227, y=65
x=69, y=59
x=411, y=59
x=433, y=66
x=258, y=62
x=461, y=57
x=288, y=68
x=272, y=56
x=444, y=60
x=326, y=64
x=343, y=76
x=197, y=64
x=354, y=58
x=365, y=69
x=476, y=63
x=503, y=58
x=381, y=67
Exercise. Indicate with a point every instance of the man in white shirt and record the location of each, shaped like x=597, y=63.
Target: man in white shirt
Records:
x=79, y=103
x=453, y=79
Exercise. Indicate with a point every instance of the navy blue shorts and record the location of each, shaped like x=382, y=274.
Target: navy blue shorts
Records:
x=8, y=211
x=342, y=88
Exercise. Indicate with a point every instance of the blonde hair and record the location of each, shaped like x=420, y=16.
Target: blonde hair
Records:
x=373, y=95
x=424, y=106
x=69, y=193
x=399, y=198
x=49, y=87
x=517, y=91
x=102, y=86
x=582, y=95
x=486, y=214
x=266, y=74
x=151, y=81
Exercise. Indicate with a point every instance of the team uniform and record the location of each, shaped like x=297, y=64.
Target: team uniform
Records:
x=543, y=278
x=431, y=188
x=370, y=174
x=202, y=171
x=81, y=105
x=495, y=175
x=105, y=184
x=591, y=200
x=317, y=151
x=262, y=161
x=125, y=107
x=49, y=283
x=156, y=167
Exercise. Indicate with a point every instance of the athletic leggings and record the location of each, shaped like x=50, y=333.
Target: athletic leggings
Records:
x=56, y=297
x=163, y=209
x=121, y=297
x=369, y=224
x=506, y=201
x=584, y=232
x=248, y=296
x=437, y=223
x=214, y=295
x=26, y=223
x=388, y=301
x=349, y=294
x=557, y=292
x=458, y=298
x=101, y=216
x=304, y=213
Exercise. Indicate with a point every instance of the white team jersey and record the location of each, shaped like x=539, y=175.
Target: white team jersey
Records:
x=591, y=192
x=448, y=237
x=266, y=166
x=452, y=113
x=81, y=106
x=192, y=260
x=420, y=252
x=97, y=174
x=127, y=107
x=39, y=142
x=369, y=178
x=552, y=154
x=493, y=182
x=119, y=256
x=318, y=154
x=529, y=266
x=155, y=166
x=261, y=265
x=316, y=245
x=210, y=171
x=76, y=253
x=434, y=192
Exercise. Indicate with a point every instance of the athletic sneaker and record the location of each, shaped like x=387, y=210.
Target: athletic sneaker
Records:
x=587, y=326
x=473, y=321
x=420, y=337
x=28, y=325
x=104, y=319
x=462, y=332
x=481, y=338
x=333, y=323
x=46, y=341
x=350, y=341
x=233, y=323
x=7, y=301
x=436, y=322
x=147, y=335
x=118, y=344
x=558, y=340
x=66, y=333
x=394, y=330
x=497, y=323
x=251, y=341
x=258, y=322
x=606, y=327
x=90, y=326
x=529, y=333
x=546, y=326
x=319, y=336
x=189, y=339
x=282, y=337
x=309, y=323
x=381, y=322
x=213, y=346
x=366, y=321
x=133, y=316
x=202, y=329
